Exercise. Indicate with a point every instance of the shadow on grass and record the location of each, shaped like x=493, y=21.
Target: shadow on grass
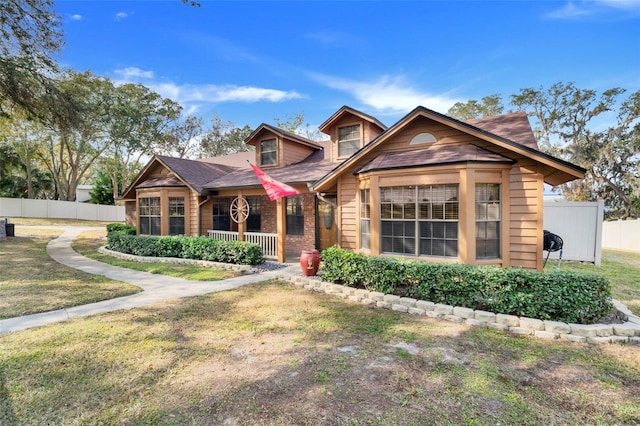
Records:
x=270, y=354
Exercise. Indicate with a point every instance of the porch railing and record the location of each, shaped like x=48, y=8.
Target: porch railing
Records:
x=268, y=242
x=223, y=235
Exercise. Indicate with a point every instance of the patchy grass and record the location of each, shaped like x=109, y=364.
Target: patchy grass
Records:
x=271, y=355
x=88, y=242
x=31, y=282
x=622, y=269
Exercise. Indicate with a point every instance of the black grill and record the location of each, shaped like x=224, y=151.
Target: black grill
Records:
x=552, y=242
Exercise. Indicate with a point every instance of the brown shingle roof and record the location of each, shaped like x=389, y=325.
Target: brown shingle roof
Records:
x=283, y=134
x=195, y=173
x=238, y=159
x=160, y=181
x=433, y=156
x=348, y=110
x=514, y=126
x=308, y=170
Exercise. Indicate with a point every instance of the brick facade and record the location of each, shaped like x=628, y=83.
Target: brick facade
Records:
x=296, y=243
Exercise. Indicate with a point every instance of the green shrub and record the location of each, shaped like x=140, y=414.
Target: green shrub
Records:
x=560, y=295
x=201, y=248
x=122, y=228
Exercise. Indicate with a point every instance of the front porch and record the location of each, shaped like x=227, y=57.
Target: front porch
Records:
x=267, y=241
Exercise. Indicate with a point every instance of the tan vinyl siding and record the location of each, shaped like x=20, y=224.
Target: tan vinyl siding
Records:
x=206, y=217
x=192, y=219
x=525, y=217
x=347, y=212
x=293, y=153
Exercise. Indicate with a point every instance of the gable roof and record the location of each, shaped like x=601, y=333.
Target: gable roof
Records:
x=513, y=126
x=560, y=171
x=191, y=173
x=283, y=134
x=237, y=159
x=348, y=110
x=308, y=170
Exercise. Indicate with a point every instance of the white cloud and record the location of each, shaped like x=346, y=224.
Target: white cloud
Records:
x=121, y=15
x=621, y=4
x=133, y=72
x=570, y=11
x=579, y=9
x=193, y=96
x=387, y=94
x=189, y=93
x=76, y=17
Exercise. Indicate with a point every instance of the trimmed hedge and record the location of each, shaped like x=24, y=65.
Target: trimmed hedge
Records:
x=559, y=295
x=121, y=227
x=201, y=248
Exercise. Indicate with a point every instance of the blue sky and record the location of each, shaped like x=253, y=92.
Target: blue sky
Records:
x=251, y=62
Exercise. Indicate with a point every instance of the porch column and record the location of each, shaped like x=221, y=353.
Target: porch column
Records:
x=242, y=226
x=281, y=226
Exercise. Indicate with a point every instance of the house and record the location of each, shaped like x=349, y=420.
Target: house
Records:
x=428, y=187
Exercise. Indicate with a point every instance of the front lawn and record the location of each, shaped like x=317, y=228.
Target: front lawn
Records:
x=268, y=354
x=31, y=282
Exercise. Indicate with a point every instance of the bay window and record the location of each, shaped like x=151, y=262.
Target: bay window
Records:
x=365, y=219
x=176, y=215
x=487, y=221
x=149, y=216
x=419, y=220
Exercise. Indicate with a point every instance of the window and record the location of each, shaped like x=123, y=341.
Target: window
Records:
x=487, y=221
x=149, y=216
x=365, y=219
x=268, y=151
x=348, y=140
x=420, y=221
x=422, y=138
x=254, y=219
x=295, y=216
x=176, y=215
x=221, y=217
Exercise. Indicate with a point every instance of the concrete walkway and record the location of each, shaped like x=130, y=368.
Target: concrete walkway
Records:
x=156, y=288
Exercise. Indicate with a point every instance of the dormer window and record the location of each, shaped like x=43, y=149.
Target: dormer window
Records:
x=348, y=140
x=268, y=152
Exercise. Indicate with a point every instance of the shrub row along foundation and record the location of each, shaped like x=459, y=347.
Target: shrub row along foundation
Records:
x=245, y=269
x=628, y=332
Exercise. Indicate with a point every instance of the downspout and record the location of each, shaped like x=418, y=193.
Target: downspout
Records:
x=321, y=198
x=200, y=213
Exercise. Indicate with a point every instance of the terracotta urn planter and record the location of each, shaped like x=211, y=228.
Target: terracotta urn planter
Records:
x=309, y=262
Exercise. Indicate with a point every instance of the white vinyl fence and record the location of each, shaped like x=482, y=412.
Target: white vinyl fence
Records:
x=621, y=235
x=22, y=207
x=580, y=227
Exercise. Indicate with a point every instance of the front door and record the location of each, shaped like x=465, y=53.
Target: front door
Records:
x=326, y=223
